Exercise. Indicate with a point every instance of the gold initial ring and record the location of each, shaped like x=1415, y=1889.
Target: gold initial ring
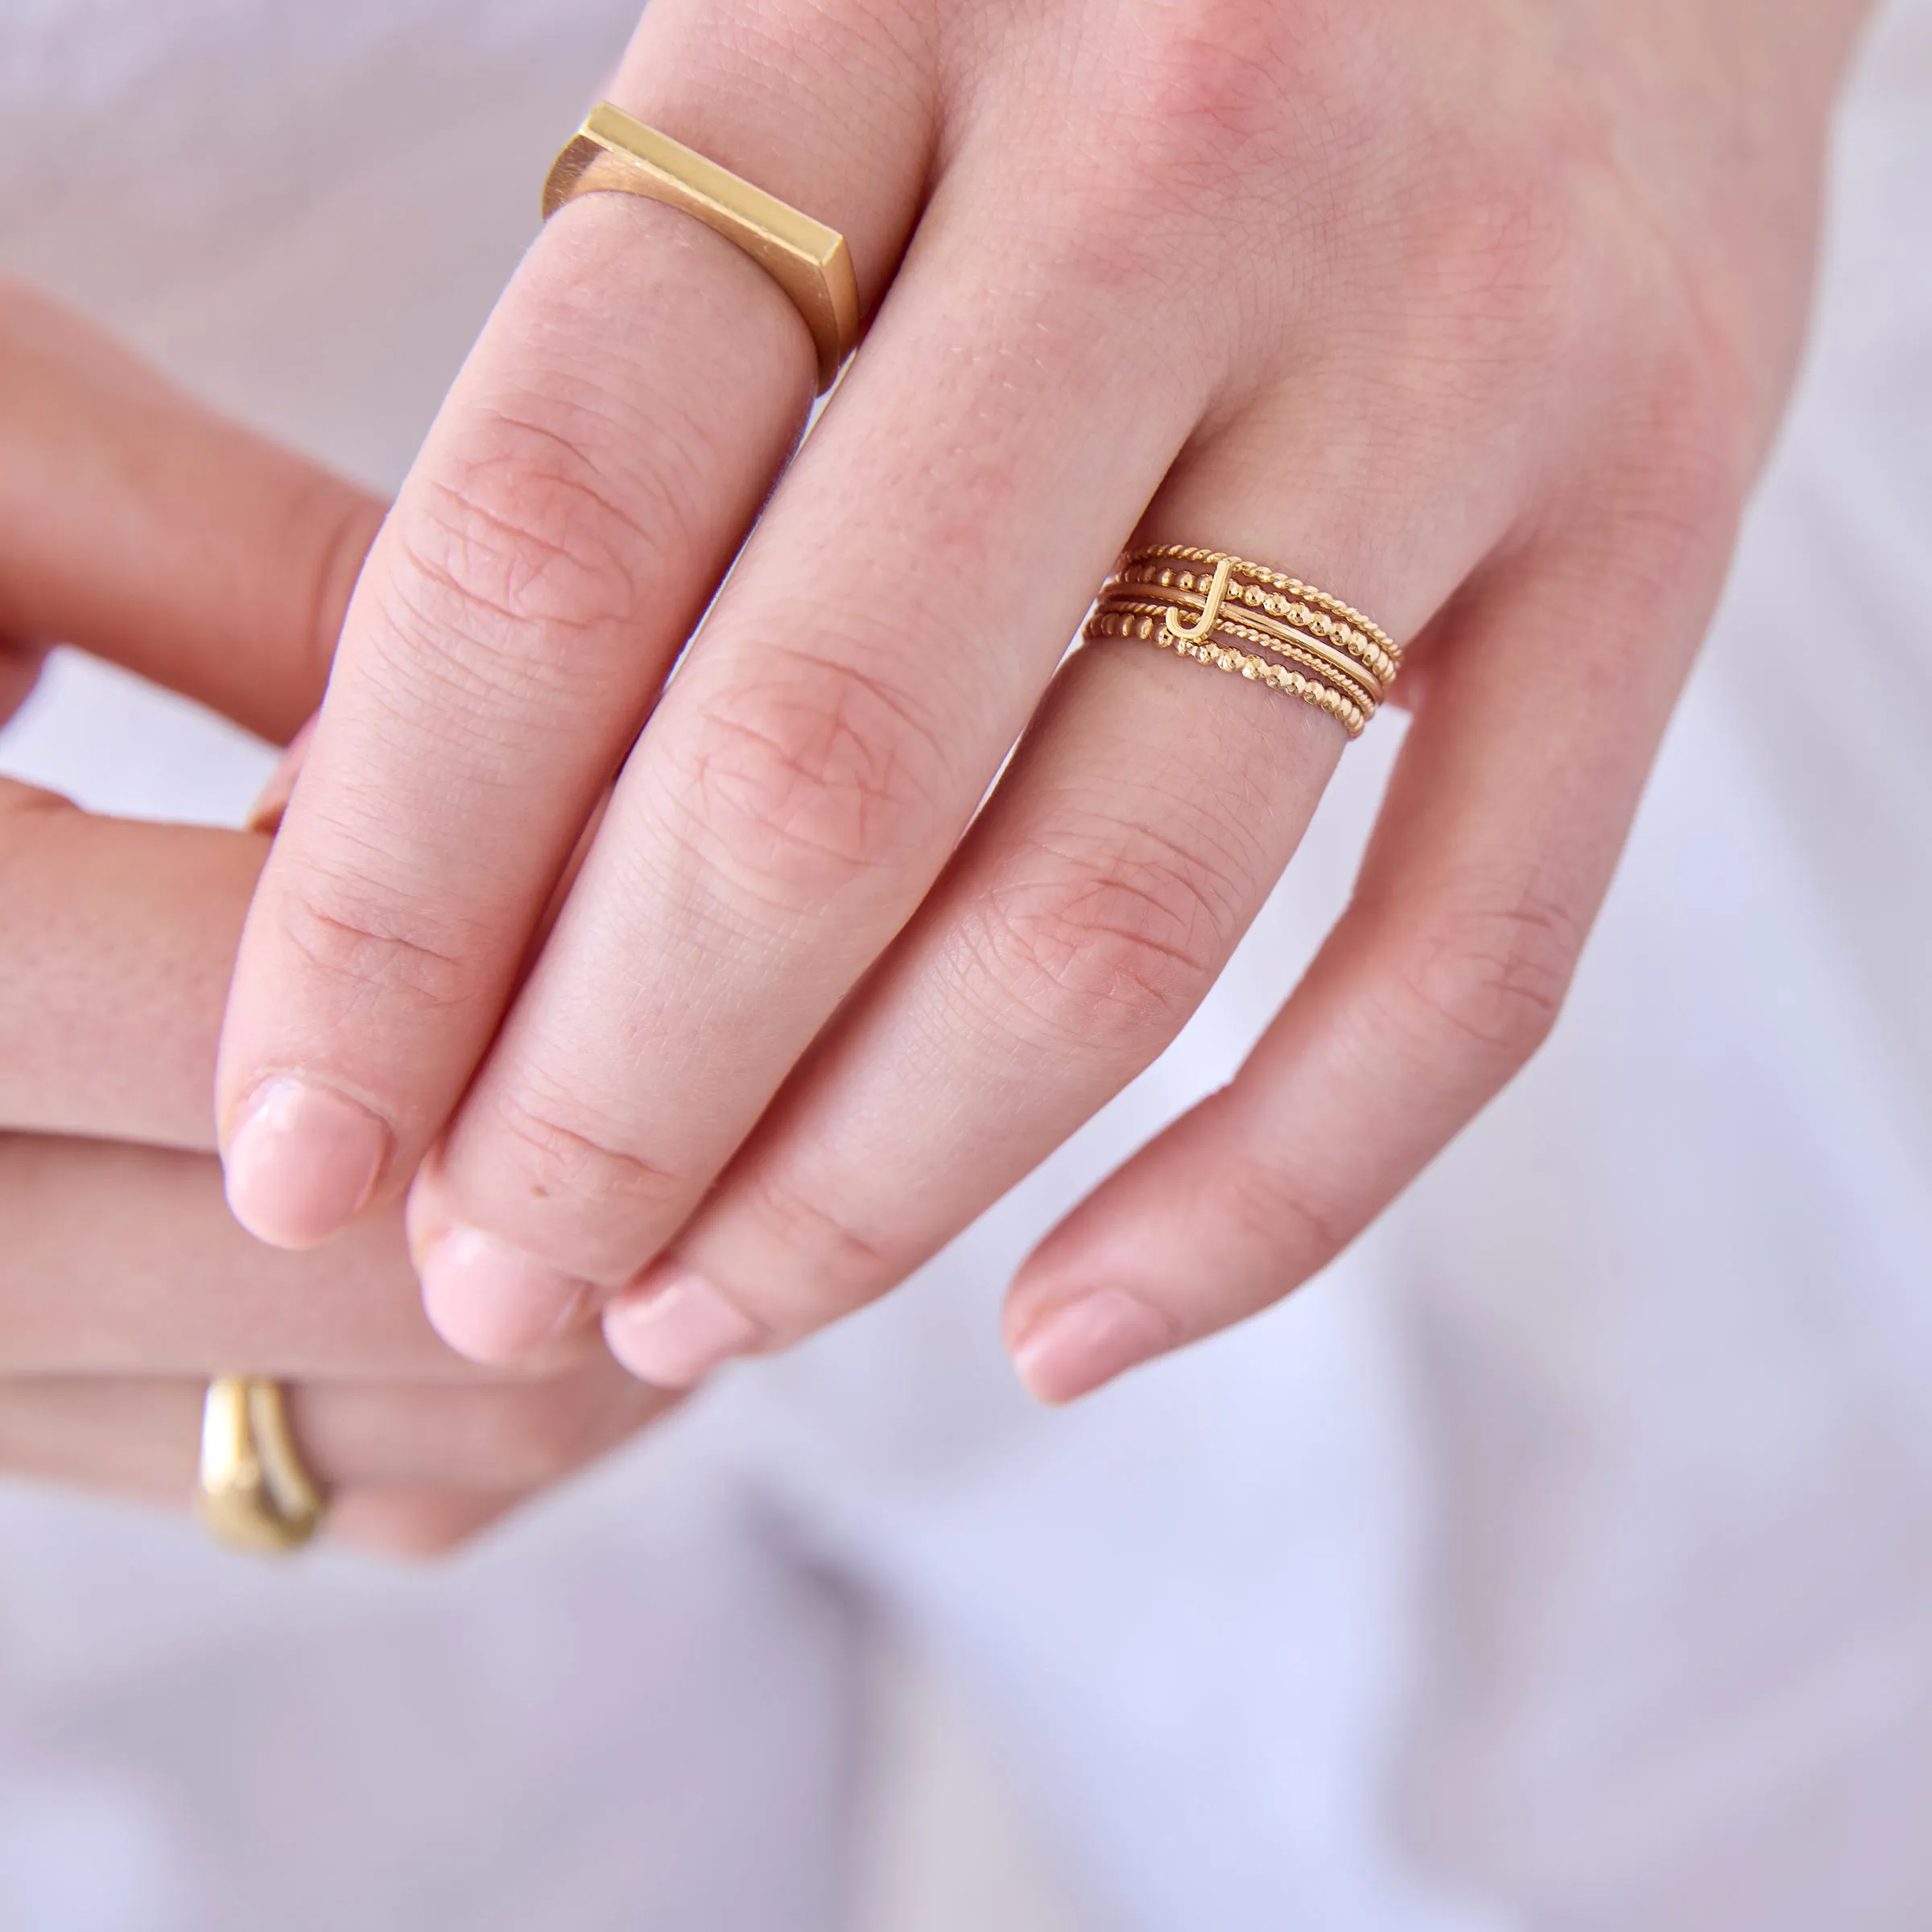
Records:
x=1244, y=618
x=807, y=259
x=253, y=1491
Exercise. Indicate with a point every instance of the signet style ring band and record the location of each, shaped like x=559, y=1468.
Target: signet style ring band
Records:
x=616, y=153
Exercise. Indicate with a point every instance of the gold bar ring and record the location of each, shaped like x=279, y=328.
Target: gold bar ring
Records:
x=614, y=151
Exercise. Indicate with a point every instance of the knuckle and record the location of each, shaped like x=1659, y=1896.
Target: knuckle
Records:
x=1247, y=106
x=816, y=773
x=1676, y=455
x=831, y=1264
x=1208, y=79
x=561, y=1154
x=1485, y=241
x=357, y=947
x=1111, y=942
x=1212, y=114
x=523, y=551
x=1491, y=251
x=1493, y=975
x=1280, y=1206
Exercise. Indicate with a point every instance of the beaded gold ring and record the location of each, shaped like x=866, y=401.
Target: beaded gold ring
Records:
x=1297, y=640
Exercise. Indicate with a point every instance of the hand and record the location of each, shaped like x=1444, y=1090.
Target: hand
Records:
x=1479, y=313
x=179, y=545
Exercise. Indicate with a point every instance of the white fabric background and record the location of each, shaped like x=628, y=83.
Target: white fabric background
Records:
x=1561, y=1561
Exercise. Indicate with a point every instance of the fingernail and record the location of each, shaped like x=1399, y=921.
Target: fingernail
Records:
x=1075, y=1348
x=302, y=1162
x=491, y=1303
x=265, y=814
x=674, y=1328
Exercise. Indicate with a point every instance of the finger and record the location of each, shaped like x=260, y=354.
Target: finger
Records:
x=805, y=778
x=138, y=1441
x=121, y=1260
x=114, y=957
x=512, y=1439
x=414, y=1525
x=116, y=947
x=1102, y=890
x=1134, y=838
x=1544, y=706
x=596, y=465
x=140, y=525
x=477, y=1447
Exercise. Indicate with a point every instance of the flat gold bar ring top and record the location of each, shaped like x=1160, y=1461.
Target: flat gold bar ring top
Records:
x=809, y=260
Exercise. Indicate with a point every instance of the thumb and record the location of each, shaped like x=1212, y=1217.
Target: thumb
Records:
x=146, y=529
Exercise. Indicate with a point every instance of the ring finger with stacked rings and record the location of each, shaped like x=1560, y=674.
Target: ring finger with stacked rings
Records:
x=1244, y=618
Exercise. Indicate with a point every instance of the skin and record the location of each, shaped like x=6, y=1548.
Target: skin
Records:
x=1479, y=313
x=178, y=545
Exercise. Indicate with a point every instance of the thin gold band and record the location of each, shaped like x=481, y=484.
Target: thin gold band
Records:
x=1351, y=716
x=1310, y=645
x=1266, y=594
x=1273, y=579
x=612, y=151
x=1364, y=700
x=1256, y=628
x=254, y=1491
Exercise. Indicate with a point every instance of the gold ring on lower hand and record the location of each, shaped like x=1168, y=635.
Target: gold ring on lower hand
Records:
x=253, y=1491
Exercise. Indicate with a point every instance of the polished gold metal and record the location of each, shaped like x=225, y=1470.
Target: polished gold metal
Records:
x=1305, y=643
x=253, y=1491
x=1170, y=604
x=1211, y=608
x=809, y=260
x=1156, y=553
x=1352, y=717
x=1364, y=696
x=1268, y=596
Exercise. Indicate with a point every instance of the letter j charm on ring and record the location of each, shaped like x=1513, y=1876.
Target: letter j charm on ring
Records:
x=1271, y=628
x=1203, y=625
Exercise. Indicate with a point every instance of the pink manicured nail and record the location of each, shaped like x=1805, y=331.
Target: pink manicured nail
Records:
x=302, y=1162
x=674, y=1328
x=491, y=1303
x=1075, y=1348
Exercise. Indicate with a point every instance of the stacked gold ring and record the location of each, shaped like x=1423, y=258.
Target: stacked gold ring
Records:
x=1256, y=622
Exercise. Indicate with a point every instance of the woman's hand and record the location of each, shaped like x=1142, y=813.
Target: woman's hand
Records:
x=1477, y=312
x=176, y=543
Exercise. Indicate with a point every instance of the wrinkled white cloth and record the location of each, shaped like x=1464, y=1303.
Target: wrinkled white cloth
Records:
x=1561, y=1561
